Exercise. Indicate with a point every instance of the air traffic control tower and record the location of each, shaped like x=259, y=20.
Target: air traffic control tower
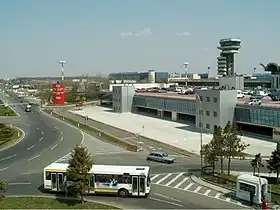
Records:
x=228, y=48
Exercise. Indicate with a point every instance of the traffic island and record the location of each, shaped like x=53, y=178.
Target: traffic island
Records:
x=9, y=135
x=6, y=110
x=49, y=203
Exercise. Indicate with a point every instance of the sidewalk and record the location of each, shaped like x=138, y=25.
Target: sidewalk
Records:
x=173, y=133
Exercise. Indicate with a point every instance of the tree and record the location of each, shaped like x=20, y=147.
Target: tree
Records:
x=274, y=162
x=209, y=155
x=257, y=163
x=217, y=144
x=80, y=164
x=3, y=186
x=233, y=144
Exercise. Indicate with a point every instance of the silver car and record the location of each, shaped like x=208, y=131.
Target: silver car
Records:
x=159, y=156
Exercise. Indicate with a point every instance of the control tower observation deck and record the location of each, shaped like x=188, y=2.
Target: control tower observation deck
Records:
x=225, y=61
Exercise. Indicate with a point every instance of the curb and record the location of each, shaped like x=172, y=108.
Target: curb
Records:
x=210, y=185
x=18, y=140
x=59, y=197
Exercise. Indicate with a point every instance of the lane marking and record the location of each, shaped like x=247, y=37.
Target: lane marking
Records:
x=207, y=192
x=54, y=147
x=217, y=195
x=164, y=178
x=3, y=169
x=154, y=177
x=173, y=180
x=40, y=139
x=32, y=158
x=189, y=186
x=61, y=132
x=6, y=158
x=181, y=182
x=175, y=204
x=164, y=196
x=61, y=139
x=197, y=189
x=42, y=132
x=228, y=199
x=29, y=148
x=19, y=183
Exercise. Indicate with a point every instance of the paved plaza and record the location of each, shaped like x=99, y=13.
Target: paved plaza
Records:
x=173, y=133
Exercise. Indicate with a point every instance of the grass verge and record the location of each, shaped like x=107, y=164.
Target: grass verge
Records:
x=6, y=111
x=48, y=203
x=102, y=135
x=14, y=139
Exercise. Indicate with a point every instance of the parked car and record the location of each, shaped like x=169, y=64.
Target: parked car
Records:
x=159, y=156
x=255, y=102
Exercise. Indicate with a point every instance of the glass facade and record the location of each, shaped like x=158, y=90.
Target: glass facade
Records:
x=259, y=116
x=176, y=105
x=161, y=77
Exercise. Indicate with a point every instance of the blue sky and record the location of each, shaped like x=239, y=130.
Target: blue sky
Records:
x=94, y=36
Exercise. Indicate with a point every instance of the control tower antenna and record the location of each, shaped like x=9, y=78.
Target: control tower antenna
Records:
x=62, y=63
x=228, y=48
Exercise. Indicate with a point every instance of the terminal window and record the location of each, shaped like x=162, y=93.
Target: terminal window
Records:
x=215, y=99
x=200, y=125
x=201, y=98
x=208, y=99
x=207, y=113
x=207, y=126
x=215, y=114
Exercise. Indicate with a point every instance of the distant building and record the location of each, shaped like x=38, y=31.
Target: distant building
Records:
x=139, y=77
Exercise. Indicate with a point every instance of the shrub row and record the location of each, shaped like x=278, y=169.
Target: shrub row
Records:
x=98, y=133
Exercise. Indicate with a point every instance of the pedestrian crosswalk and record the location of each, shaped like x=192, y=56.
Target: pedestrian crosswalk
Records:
x=182, y=181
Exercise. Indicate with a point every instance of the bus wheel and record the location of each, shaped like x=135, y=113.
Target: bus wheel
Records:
x=123, y=193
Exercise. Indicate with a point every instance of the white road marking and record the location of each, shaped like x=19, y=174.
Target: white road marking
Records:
x=164, y=196
x=6, y=158
x=164, y=178
x=61, y=132
x=239, y=203
x=154, y=177
x=41, y=139
x=181, y=182
x=173, y=180
x=207, y=192
x=175, y=204
x=197, y=189
x=42, y=132
x=61, y=139
x=19, y=183
x=217, y=195
x=33, y=157
x=228, y=199
x=29, y=148
x=189, y=186
x=3, y=169
x=54, y=147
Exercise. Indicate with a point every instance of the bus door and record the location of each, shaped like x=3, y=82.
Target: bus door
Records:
x=54, y=181
x=60, y=182
x=138, y=185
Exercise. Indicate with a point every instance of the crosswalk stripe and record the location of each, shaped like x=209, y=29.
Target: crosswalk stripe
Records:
x=207, y=192
x=197, y=189
x=173, y=180
x=217, y=195
x=189, y=186
x=181, y=182
x=154, y=177
x=164, y=178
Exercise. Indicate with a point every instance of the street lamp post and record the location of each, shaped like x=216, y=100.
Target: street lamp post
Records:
x=201, y=129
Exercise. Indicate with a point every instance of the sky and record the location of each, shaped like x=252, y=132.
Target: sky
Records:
x=106, y=36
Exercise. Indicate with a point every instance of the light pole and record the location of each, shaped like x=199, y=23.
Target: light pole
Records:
x=201, y=129
x=62, y=71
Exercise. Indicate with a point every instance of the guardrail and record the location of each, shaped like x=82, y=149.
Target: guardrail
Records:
x=102, y=135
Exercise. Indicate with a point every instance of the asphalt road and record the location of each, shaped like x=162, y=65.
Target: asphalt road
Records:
x=46, y=140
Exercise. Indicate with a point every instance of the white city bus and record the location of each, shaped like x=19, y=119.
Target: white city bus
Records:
x=120, y=180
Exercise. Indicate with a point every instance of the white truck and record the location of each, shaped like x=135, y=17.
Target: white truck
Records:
x=28, y=108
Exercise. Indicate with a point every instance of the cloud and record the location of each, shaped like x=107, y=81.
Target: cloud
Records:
x=126, y=34
x=144, y=33
x=185, y=33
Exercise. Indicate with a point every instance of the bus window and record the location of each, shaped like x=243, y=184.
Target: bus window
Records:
x=48, y=175
x=148, y=180
x=247, y=187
